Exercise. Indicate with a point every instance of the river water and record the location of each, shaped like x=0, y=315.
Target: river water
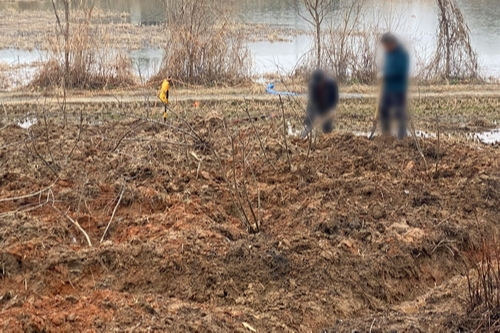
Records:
x=416, y=21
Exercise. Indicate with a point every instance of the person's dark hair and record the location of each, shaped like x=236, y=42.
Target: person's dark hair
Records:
x=318, y=75
x=389, y=38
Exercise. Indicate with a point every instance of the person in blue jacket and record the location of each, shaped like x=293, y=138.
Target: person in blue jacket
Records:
x=395, y=85
x=323, y=99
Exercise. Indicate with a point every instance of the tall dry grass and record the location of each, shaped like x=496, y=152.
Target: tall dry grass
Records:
x=202, y=47
x=80, y=55
x=483, y=280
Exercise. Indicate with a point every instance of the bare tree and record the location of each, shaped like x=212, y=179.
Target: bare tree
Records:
x=454, y=57
x=341, y=37
x=317, y=11
x=65, y=33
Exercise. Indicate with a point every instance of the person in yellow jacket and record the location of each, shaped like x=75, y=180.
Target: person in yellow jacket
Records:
x=163, y=95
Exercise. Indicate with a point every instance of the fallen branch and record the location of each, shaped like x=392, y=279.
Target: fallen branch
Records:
x=29, y=195
x=75, y=223
x=30, y=208
x=25, y=209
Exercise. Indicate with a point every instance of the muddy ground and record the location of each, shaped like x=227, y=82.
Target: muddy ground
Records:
x=213, y=222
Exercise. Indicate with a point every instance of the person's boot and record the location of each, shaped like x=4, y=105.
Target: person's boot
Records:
x=403, y=131
x=328, y=127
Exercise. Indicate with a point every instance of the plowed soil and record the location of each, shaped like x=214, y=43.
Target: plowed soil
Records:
x=218, y=223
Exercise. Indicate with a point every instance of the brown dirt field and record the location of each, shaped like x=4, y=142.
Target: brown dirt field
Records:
x=354, y=234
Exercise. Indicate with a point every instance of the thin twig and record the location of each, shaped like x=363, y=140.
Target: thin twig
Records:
x=132, y=130
x=47, y=164
x=414, y=134
x=236, y=193
x=371, y=326
x=438, y=153
x=80, y=128
x=285, y=134
x=258, y=136
x=112, y=215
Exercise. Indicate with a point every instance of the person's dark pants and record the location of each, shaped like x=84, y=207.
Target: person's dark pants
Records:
x=314, y=113
x=393, y=107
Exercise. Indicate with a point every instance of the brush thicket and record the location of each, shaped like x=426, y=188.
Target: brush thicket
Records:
x=80, y=55
x=202, y=46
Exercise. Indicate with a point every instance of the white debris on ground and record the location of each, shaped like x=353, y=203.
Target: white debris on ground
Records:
x=425, y=135
x=360, y=133
x=27, y=123
x=292, y=131
x=489, y=137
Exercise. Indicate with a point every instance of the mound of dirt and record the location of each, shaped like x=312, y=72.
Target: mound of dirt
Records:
x=208, y=226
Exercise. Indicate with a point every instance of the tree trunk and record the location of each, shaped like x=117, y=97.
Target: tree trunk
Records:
x=66, y=37
x=318, y=44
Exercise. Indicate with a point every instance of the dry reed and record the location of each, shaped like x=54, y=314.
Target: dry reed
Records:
x=202, y=47
x=80, y=57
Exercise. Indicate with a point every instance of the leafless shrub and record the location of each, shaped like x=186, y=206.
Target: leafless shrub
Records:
x=239, y=188
x=454, y=58
x=483, y=278
x=79, y=54
x=350, y=46
x=202, y=47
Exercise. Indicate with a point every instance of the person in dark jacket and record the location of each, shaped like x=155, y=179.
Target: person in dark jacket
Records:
x=323, y=99
x=395, y=85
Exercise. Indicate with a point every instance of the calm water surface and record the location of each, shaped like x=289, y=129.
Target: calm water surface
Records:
x=416, y=21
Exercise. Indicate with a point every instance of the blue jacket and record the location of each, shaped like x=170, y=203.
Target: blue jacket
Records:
x=396, y=71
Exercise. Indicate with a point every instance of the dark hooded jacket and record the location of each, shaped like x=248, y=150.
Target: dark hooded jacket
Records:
x=323, y=93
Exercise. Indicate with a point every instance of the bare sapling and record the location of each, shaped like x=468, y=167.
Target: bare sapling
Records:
x=347, y=47
x=341, y=38
x=438, y=148
x=285, y=134
x=239, y=190
x=257, y=134
x=316, y=13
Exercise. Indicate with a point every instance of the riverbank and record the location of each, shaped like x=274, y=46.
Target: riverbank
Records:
x=461, y=112
x=35, y=28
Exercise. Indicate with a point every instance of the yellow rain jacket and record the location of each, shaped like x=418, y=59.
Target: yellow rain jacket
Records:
x=163, y=93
